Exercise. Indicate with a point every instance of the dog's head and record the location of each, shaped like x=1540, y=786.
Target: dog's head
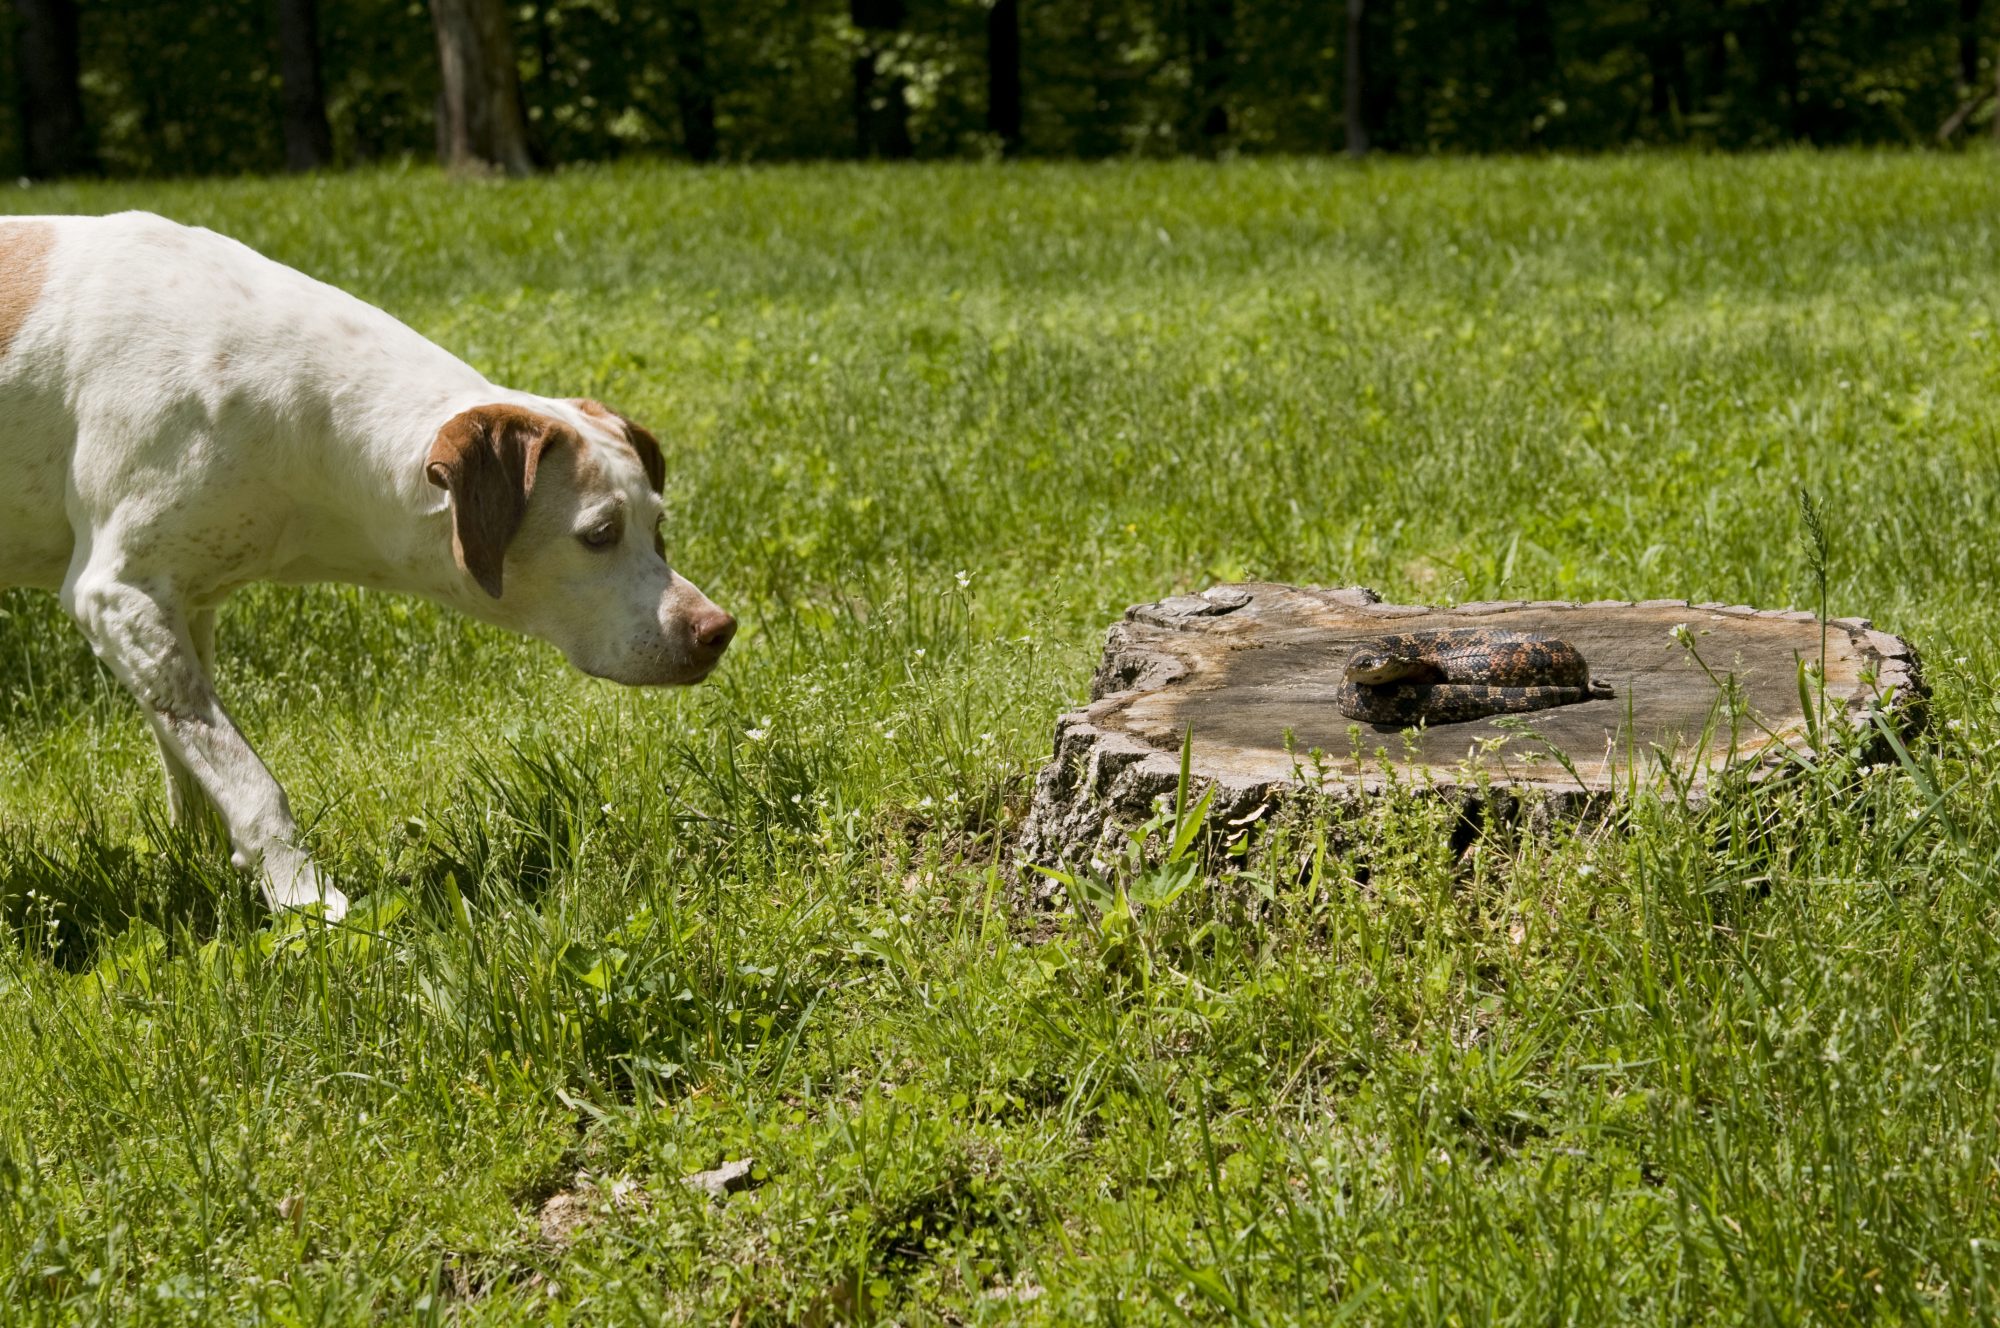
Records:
x=555, y=514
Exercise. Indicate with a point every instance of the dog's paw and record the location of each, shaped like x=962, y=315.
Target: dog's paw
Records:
x=292, y=882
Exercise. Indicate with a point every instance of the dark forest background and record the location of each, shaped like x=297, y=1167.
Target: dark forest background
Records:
x=133, y=87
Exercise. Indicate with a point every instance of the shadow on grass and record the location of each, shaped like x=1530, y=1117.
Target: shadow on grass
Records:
x=517, y=825
x=64, y=896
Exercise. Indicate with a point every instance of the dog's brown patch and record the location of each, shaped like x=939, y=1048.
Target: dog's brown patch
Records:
x=24, y=262
x=486, y=459
x=648, y=448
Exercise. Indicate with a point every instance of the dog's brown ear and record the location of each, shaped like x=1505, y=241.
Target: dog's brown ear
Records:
x=486, y=459
x=643, y=442
x=648, y=448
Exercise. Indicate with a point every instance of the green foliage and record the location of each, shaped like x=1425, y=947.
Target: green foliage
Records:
x=191, y=86
x=930, y=431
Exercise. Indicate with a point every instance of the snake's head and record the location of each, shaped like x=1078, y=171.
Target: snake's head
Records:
x=1373, y=665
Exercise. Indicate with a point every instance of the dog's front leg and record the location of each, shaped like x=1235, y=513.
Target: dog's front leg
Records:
x=186, y=803
x=137, y=626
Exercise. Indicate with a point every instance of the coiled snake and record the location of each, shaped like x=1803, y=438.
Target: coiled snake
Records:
x=1469, y=673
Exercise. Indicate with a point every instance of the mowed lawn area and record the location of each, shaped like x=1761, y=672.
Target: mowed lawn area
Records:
x=929, y=430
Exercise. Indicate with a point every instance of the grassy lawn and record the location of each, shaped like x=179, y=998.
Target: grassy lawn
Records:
x=929, y=430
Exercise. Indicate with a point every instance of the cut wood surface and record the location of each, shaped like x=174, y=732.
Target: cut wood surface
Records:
x=1251, y=671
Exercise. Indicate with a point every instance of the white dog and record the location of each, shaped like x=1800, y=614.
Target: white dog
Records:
x=184, y=416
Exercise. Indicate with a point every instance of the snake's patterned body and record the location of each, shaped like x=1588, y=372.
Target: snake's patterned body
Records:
x=1453, y=676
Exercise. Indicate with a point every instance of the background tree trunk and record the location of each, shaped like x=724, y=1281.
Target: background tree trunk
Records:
x=308, y=140
x=1211, y=33
x=1536, y=75
x=1353, y=93
x=55, y=139
x=1778, y=60
x=881, y=110
x=1003, y=73
x=1666, y=61
x=1968, y=43
x=480, y=124
x=1715, y=67
x=694, y=92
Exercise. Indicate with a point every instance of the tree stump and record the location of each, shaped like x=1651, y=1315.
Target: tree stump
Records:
x=1252, y=669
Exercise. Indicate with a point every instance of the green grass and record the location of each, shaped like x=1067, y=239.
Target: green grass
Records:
x=930, y=430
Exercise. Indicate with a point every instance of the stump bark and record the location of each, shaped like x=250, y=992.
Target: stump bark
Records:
x=1251, y=671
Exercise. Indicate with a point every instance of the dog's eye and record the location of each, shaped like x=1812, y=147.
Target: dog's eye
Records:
x=601, y=537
